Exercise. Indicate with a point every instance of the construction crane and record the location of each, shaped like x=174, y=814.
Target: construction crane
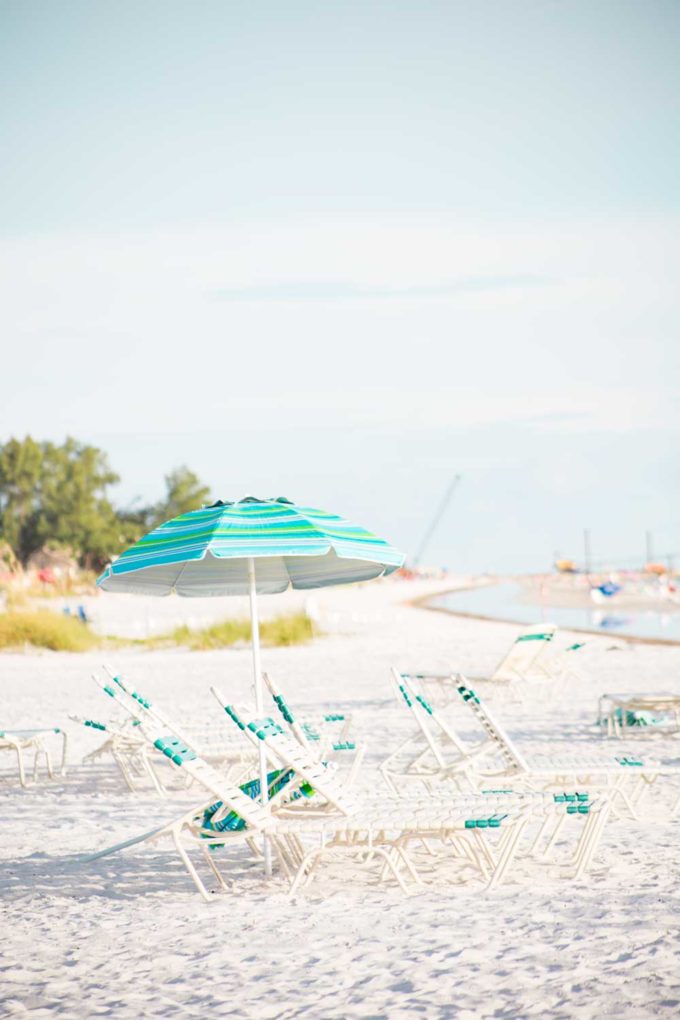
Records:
x=453, y=485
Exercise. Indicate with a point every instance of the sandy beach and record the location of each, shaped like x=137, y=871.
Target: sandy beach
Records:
x=128, y=937
x=371, y=306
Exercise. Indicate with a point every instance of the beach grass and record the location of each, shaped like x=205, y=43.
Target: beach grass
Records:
x=62, y=633
x=43, y=629
x=293, y=629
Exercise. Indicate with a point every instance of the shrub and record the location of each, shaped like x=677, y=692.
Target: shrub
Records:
x=45, y=630
x=281, y=630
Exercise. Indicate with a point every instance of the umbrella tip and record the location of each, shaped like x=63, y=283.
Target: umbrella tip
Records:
x=247, y=499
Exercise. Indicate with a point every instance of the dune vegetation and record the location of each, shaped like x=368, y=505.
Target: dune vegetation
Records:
x=294, y=629
x=43, y=629
x=61, y=633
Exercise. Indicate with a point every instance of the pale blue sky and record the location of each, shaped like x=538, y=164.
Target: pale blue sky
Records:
x=340, y=251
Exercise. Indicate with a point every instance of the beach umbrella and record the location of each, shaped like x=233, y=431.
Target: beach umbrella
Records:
x=250, y=547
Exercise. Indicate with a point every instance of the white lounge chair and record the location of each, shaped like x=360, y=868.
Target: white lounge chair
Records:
x=426, y=755
x=18, y=741
x=627, y=777
x=526, y=659
x=443, y=759
x=391, y=823
x=378, y=832
x=231, y=816
x=128, y=749
x=235, y=818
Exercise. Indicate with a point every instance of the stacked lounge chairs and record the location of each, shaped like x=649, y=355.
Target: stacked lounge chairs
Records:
x=434, y=752
x=314, y=814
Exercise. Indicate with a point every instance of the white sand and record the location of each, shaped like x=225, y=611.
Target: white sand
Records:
x=128, y=937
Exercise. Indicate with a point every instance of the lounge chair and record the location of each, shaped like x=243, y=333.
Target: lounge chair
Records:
x=441, y=759
x=526, y=658
x=325, y=736
x=214, y=742
x=231, y=815
x=627, y=777
x=432, y=752
x=20, y=740
x=384, y=823
x=128, y=749
x=446, y=816
x=331, y=816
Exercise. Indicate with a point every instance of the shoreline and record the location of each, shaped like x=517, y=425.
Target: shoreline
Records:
x=423, y=602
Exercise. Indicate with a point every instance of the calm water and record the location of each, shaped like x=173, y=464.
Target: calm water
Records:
x=503, y=602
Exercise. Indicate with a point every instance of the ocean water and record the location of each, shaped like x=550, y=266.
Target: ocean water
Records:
x=506, y=601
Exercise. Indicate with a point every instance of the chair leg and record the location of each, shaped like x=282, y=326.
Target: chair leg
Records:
x=125, y=767
x=20, y=763
x=64, y=752
x=215, y=870
x=151, y=772
x=188, y=865
x=300, y=875
x=553, y=838
x=48, y=763
x=507, y=856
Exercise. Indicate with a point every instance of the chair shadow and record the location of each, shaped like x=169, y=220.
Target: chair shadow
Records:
x=128, y=875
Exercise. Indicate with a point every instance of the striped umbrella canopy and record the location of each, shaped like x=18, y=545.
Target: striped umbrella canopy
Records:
x=208, y=551
x=250, y=547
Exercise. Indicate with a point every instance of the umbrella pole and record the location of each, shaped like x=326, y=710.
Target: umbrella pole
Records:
x=259, y=704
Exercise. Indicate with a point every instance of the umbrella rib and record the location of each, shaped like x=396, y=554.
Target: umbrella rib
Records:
x=179, y=576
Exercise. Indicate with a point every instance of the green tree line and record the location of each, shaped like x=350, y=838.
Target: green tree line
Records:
x=59, y=494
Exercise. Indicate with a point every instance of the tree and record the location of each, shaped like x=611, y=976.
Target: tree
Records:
x=21, y=472
x=184, y=492
x=74, y=508
x=58, y=494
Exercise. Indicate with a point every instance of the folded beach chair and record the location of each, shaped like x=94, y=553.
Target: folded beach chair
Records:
x=444, y=811
x=626, y=777
x=235, y=818
x=444, y=759
x=379, y=822
x=128, y=749
x=325, y=736
x=214, y=742
x=479, y=833
x=20, y=740
x=521, y=663
x=433, y=751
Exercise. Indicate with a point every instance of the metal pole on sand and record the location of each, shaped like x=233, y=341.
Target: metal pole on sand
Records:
x=259, y=704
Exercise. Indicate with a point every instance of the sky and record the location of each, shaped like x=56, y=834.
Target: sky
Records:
x=343, y=251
